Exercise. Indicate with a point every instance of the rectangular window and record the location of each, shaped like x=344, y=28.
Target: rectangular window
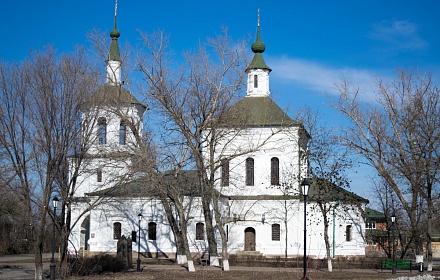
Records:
x=99, y=175
x=370, y=225
x=200, y=231
x=133, y=236
x=249, y=172
x=255, y=81
x=276, y=232
x=225, y=172
x=348, y=233
x=122, y=133
x=102, y=131
x=274, y=171
x=152, y=231
x=116, y=230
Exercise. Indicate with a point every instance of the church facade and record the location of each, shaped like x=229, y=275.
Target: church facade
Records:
x=262, y=204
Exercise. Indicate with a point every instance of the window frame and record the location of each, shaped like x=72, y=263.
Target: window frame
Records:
x=122, y=133
x=99, y=175
x=276, y=232
x=102, y=131
x=200, y=231
x=224, y=172
x=117, y=230
x=152, y=231
x=348, y=233
x=250, y=172
x=275, y=171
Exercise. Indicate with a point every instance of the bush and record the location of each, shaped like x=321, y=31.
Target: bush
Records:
x=95, y=265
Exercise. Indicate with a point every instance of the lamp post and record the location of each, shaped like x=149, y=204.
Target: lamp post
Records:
x=138, y=267
x=52, y=260
x=305, y=190
x=393, y=220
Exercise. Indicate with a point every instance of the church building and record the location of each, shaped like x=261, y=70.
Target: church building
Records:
x=262, y=203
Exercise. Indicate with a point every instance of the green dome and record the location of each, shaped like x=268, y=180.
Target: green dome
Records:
x=115, y=33
x=258, y=46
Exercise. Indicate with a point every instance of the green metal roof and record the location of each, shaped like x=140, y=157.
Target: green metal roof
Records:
x=260, y=111
x=372, y=214
x=146, y=186
x=324, y=190
x=113, y=95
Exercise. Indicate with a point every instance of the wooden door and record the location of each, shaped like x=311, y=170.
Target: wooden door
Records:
x=249, y=239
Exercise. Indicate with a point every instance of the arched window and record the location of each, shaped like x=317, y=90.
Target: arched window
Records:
x=116, y=230
x=122, y=133
x=249, y=172
x=275, y=171
x=348, y=233
x=99, y=175
x=102, y=131
x=276, y=232
x=225, y=172
x=152, y=231
x=200, y=231
x=255, y=81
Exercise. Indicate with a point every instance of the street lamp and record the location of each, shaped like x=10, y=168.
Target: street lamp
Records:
x=305, y=190
x=393, y=220
x=138, y=267
x=52, y=260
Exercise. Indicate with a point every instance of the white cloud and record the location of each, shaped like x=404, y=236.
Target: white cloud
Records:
x=320, y=77
x=398, y=34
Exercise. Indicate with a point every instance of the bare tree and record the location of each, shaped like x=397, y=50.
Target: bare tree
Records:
x=398, y=134
x=329, y=163
x=190, y=102
x=40, y=113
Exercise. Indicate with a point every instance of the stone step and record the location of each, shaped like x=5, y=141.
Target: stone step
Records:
x=249, y=253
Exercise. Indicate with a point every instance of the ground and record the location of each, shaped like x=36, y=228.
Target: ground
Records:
x=22, y=267
x=247, y=273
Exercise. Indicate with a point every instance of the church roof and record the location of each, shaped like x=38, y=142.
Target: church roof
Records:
x=325, y=191
x=145, y=186
x=260, y=111
x=113, y=94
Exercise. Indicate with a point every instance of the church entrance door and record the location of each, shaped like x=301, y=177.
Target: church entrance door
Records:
x=85, y=233
x=249, y=239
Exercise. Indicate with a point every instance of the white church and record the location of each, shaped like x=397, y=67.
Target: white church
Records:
x=262, y=215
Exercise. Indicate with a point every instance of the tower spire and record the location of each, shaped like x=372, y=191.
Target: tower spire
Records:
x=114, y=57
x=258, y=17
x=258, y=48
x=116, y=12
x=258, y=71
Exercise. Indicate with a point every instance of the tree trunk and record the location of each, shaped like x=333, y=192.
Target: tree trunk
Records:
x=429, y=229
x=223, y=235
x=38, y=249
x=210, y=233
x=327, y=241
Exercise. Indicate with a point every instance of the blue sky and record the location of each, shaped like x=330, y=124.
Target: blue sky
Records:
x=309, y=44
